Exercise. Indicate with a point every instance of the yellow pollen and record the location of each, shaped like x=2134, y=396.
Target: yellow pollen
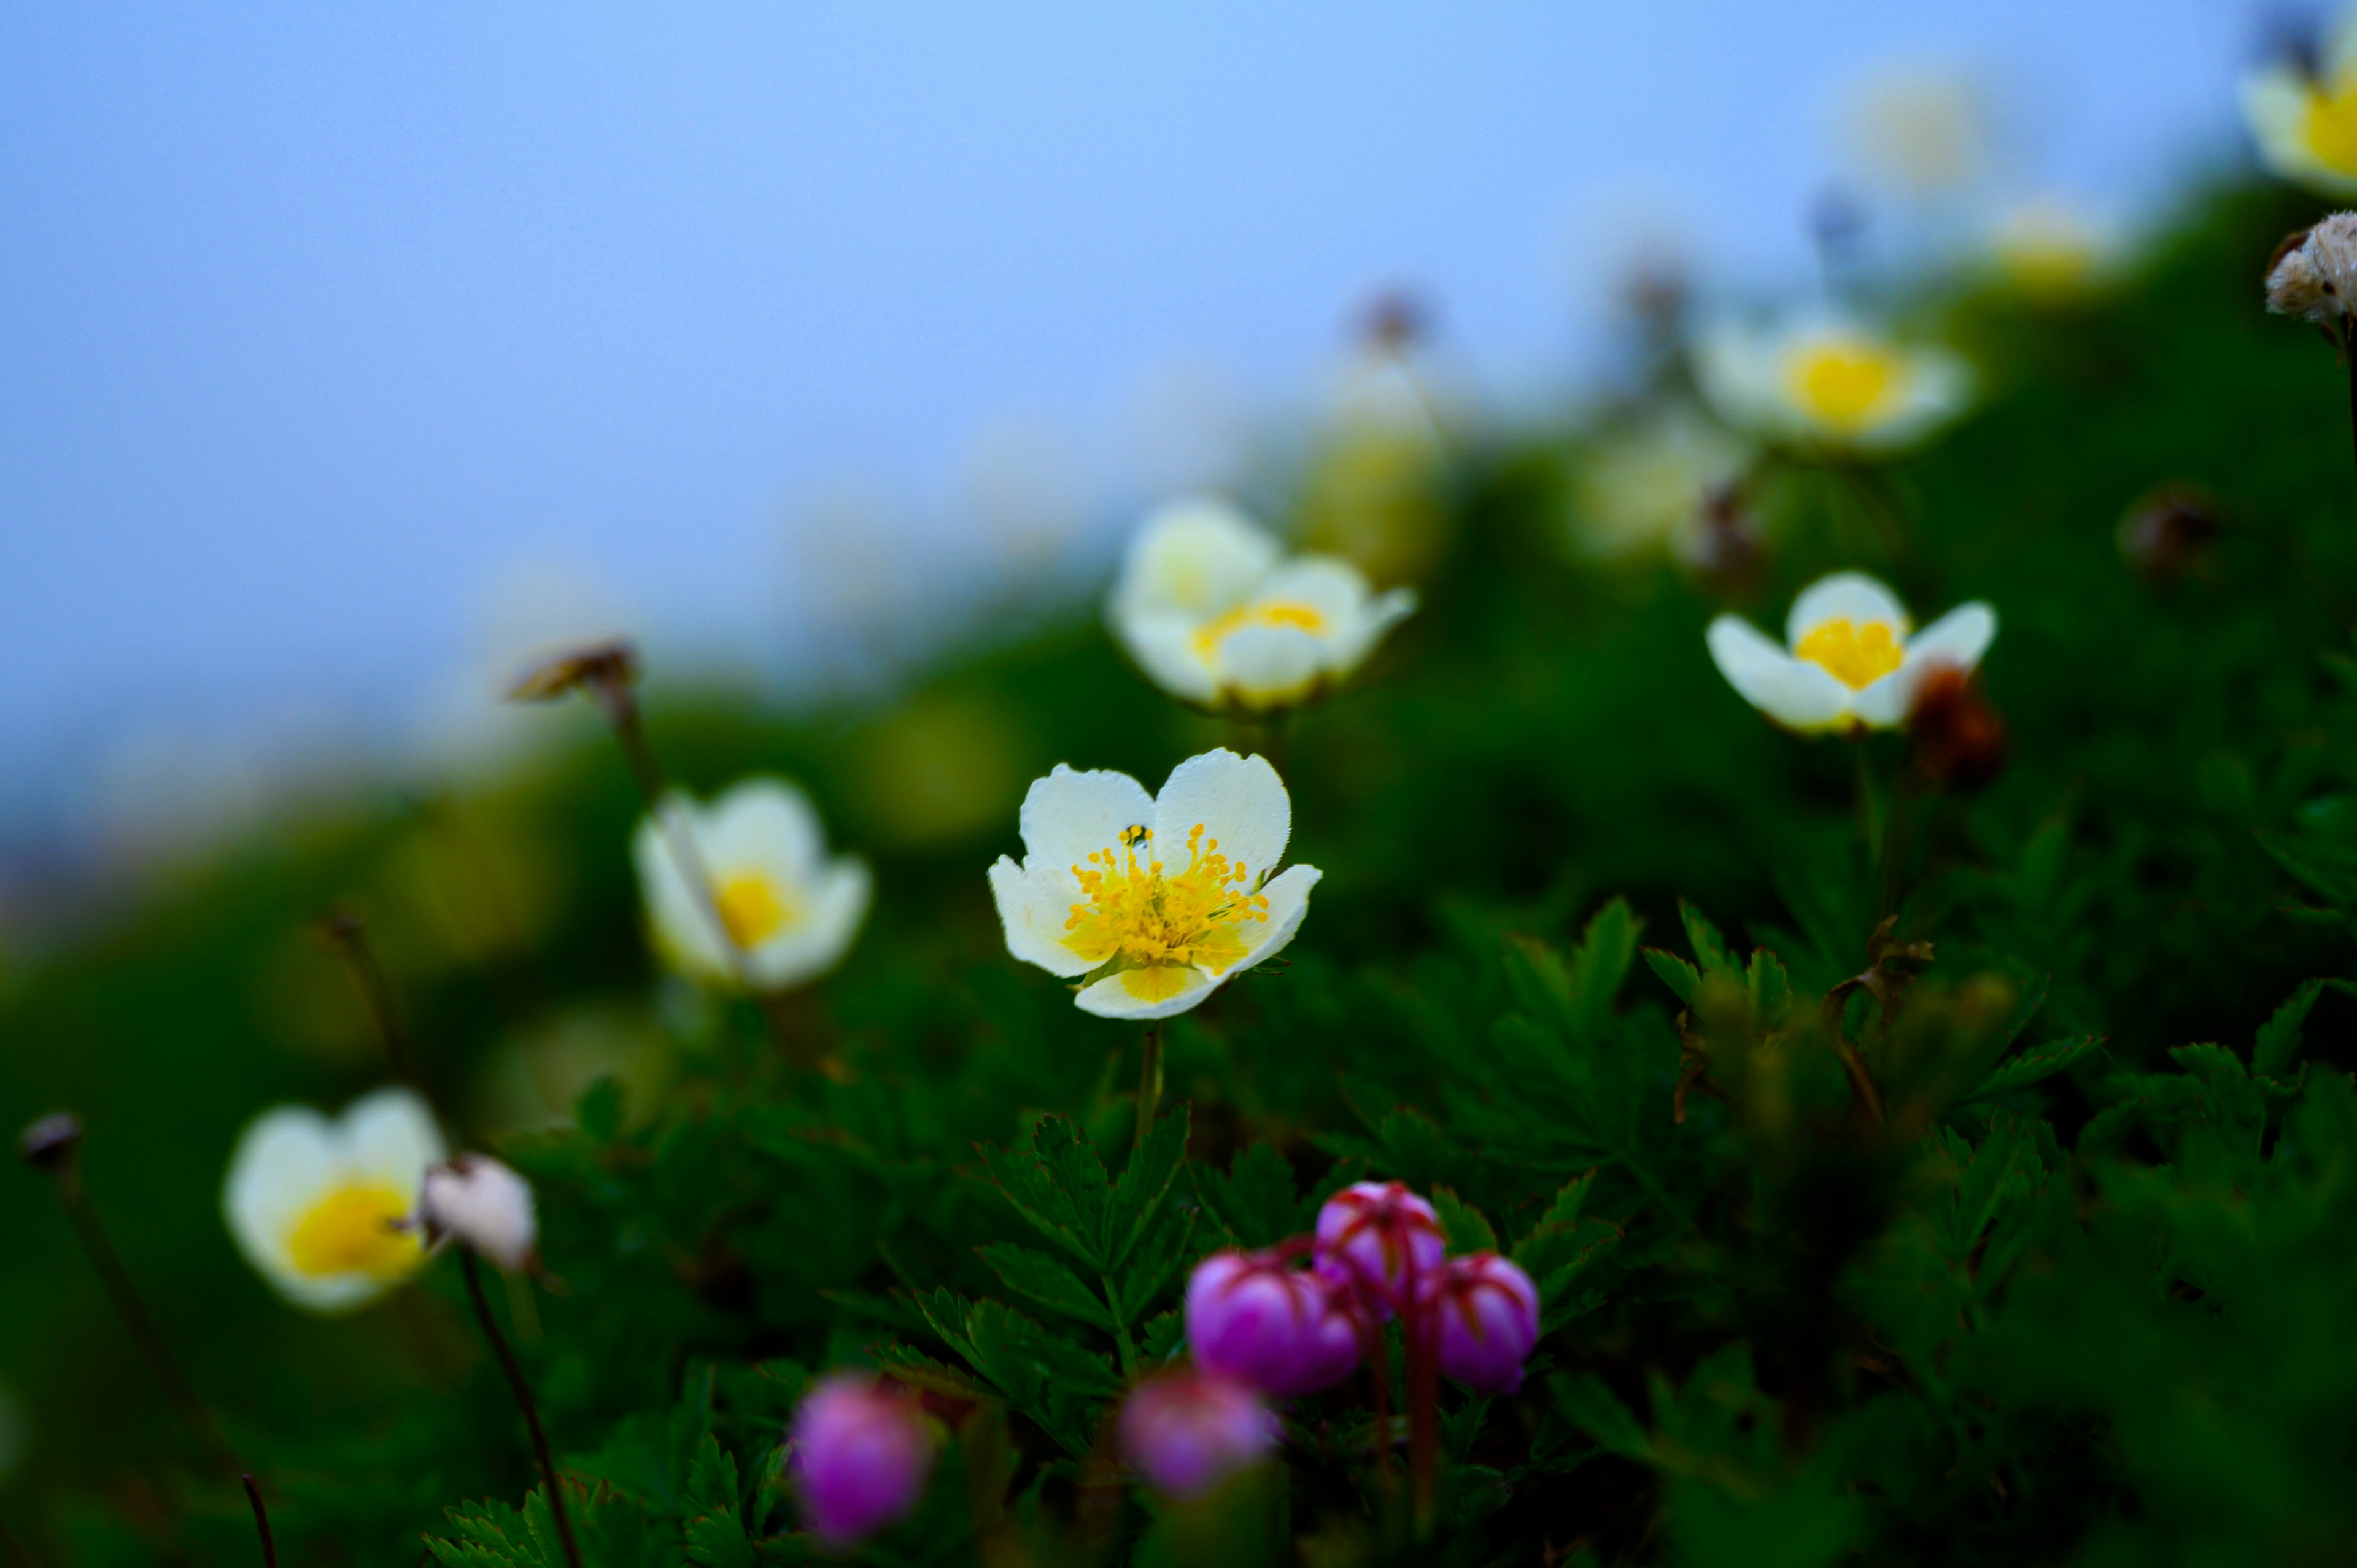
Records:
x=1157, y=924
x=2329, y=125
x=1846, y=384
x=752, y=909
x=1213, y=633
x=350, y=1231
x=1856, y=656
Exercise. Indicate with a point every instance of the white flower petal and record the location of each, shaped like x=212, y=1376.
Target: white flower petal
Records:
x=1239, y=801
x=1376, y=618
x=680, y=916
x=1799, y=696
x=1939, y=386
x=764, y=825
x=1288, y=902
x=1114, y=996
x=829, y=912
x=1958, y=638
x=1845, y=596
x=1071, y=814
x=1199, y=557
x=1266, y=667
x=1164, y=646
x=1738, y=368
x=390, y=1136
x=1333, y=588
x=283, y=1160
x=1033, y=907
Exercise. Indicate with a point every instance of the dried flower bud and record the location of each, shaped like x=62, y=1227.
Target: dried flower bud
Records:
x=2313, y=273
x=611, y=663
x=1382, y=1239
x=859, y=1452
x=476, y=1199
x=51, y=1143
x=2167, y=534
x=1956, y=738
x=1256, y=1318
x=1186, y=1433
x=1484, y=1318
x=1395, y=321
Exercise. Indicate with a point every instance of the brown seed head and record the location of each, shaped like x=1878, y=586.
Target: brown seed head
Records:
x=610, y=663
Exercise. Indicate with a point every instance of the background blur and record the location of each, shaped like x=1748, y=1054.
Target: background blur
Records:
x=346, y=352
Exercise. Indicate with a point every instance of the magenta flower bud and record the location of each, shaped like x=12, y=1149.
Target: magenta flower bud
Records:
x=1484, y=1318
x=859, y=1454
x=1382, y=1239
x=1254, y=1318
x=1186, y=1433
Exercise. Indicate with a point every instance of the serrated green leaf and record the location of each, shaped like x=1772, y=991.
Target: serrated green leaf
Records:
x=1035, y=1192
x=716, y=1526
x=1156, y=1262
x=1046, y=1282
x=1069, y=1159
x=1676, y=972
x=2279, y=1037
x=1255, y=1200
x=1596, y=1410
x=1462, y=1223
x=1139, y=1196
x=1768, y=990
x=1599, y=967
x=1709, y=948
x=2032, y=1065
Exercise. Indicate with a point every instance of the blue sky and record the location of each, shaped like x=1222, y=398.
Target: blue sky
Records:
x=326, y=327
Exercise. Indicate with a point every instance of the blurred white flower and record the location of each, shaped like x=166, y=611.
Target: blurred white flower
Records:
x=316, y=1206
x=790, y=909
x=1645, y=487
x=1849, y=661
x=475, y=1199
x=1096, y=901
x=1216, y=615
x=1924, y=131
x=1826, y=381
x=2306, y=126
x=2052, y=250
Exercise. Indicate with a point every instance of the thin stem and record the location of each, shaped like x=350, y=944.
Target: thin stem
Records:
x=508, y=1364
x=128, y=1305
x=261, y=1521
x=2349, y=358
x=1149, y=1082
x=1120, y=1327
x=1423, y=1412
x=349, y=935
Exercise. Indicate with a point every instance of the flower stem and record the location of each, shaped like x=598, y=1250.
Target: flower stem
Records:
x=1149, y=1082
x=508, y=1364
x=2349, y=358
x=348, y=932
x=1422, y=1415
x=261, y=1521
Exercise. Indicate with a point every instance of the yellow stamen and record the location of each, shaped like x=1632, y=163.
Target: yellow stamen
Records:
x=1846, y=384
x=1856, y=656
x=350, y=1231
x=1158, y=925
x=1211, y=633
x=753, y=909
x=2329, y=125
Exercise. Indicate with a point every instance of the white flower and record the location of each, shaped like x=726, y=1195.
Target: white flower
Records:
x=1645, y=487
x=1213, y=611
x=1104, y=893
x=316, y=1206
x=790, y=909
x=1826, y=381
x=1850, y=661
x=2307, y=126
x=2054, y=250
x=476, y=1199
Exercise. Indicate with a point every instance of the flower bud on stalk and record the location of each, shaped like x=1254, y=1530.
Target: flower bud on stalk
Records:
x=1956, y=739
x=1186, y=1433
x=1483, y=1315
x=1382, y=1239
x=860, y=1453
x=484, y=1204
x=1255, y=1318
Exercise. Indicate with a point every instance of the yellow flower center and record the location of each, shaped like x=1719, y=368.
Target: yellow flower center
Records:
x=1846, y=384
x=753, y=908
x=1211, y=633
x=2329, y=125
x=1855, y=656
x=1157, y=925
x=350, y=1231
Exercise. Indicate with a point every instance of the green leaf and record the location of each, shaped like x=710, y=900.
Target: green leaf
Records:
x=2328, y=870
x=1034, y=1191
x=2032, y=1065
x=1156, y=1260
x=1676, y=973
x=1462, y=1223
x=2279, y=1037
x=1137, y=1196
x=599, y=1110
x=1070, y=1160
x=1596, y=1410
x=1709, y=948
x=1046, y=1282
x=716, y=1527
x=1768, y=988
x=1256, y=1200
x=1599, y=967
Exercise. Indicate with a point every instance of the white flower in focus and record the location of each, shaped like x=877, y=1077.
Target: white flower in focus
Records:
x=790, y=909
x=1824, y=381
x=1152, y=903
x=1212, y=610
x=478, y=1200
x=2306, y=126
x=316, y=1206
x=1851, y=658
x=1645, y=487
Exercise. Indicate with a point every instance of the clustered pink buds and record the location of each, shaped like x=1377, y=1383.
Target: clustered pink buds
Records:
x=1483, y=1313
x=1186, y=1430
x=1383, y=1240
x=1256, y=1318
x=859, y=1452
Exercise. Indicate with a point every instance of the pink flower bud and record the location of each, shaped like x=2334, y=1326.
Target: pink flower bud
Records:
x=1382, y=1239
x=859, y=1454
x=1186, y=1433
x=1483, y=1313
x=1254, y=1318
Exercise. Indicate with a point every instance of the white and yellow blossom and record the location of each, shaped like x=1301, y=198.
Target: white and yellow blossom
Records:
x=1851, y=657
x=2054, y=250
x=1646, y=486
x=1152, y=903
x=1827, y=381
x=2306, y=126
x=789, y=908
x=317, y=1206
x=1211, y=610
